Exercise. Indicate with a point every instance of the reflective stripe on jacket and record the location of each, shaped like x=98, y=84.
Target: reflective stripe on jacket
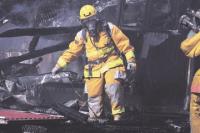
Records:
x=101, y=49
x=191, y=48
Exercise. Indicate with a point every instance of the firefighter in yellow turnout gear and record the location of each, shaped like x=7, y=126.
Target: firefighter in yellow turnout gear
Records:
x=191, y=48
x=105, y=70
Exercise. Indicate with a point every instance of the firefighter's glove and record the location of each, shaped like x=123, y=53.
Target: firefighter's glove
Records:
x=56, y=70
x=131, y=66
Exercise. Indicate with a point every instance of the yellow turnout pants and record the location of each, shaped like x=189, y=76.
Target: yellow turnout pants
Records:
x=110, y=83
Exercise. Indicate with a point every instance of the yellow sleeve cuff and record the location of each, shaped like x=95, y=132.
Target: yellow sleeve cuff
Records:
x=61, y=63
x=130, y=56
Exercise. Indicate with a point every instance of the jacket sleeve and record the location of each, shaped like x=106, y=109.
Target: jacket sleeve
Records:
x=74, y=50
x=122, y=42
x=191, y=46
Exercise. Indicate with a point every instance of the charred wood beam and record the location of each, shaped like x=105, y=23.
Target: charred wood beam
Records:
x=120, y=11
x=33, y=43
x=147, y=14
x=39, y=31
x=35, y=39
x=4, y=63
x=70, y=113
x=63, y=30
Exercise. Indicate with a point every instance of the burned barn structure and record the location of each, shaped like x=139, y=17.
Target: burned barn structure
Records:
x=34, y=33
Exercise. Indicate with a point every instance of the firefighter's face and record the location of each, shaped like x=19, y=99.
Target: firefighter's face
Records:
x=91, y=25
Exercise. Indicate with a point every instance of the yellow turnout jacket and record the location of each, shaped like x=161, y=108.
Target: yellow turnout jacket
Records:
x=191, y=48
x=99, y=50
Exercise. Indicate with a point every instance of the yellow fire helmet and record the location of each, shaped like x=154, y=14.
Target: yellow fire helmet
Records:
x=87, y=11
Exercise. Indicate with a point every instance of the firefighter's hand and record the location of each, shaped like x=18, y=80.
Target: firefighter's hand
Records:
x=56, y=70
x=131, y=66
